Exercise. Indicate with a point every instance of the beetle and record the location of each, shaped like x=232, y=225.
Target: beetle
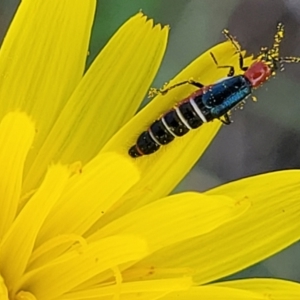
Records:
x=211, y=101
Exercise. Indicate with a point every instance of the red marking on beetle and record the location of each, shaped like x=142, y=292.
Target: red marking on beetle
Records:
x=258, y=73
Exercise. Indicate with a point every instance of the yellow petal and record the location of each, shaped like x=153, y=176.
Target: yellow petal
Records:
x=90, y=195
x=215, y=293
x=3, y=290
x=270, y=224
x=146, y=290
x=171, y=163
x=17, y=245
x=43, y=58
x=16, y=136
x=53, y=248
x=272, y=288
x=107, y=97
x=75, y=267
x=175, y=219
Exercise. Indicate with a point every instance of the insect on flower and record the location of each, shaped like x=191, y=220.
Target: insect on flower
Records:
x=212, y=101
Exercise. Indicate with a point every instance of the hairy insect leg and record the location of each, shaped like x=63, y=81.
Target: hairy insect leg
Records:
x=225, y=119
x=231, y=68
x=163, y=91
x=237, y=47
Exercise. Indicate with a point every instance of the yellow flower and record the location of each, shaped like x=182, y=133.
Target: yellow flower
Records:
x=80, y=219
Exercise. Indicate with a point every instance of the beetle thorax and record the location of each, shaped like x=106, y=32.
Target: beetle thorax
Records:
x=258, y=73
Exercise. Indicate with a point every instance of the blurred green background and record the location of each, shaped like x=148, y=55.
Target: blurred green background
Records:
x=265, y=136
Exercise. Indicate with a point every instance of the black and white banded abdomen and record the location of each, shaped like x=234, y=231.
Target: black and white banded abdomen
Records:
x=175, y=123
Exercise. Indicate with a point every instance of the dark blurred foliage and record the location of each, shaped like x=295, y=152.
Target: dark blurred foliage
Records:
x=7, y=10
